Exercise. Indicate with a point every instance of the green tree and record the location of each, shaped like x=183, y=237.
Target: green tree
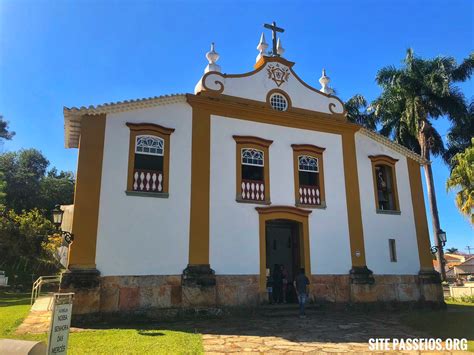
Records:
x=4, y=132
x=359, y=112
x=56, y=188
x=29, y=185
x=3, y=187
x=415, y=94
x=25, y=245
x=460, y=134
x=23, y=171
x=452, y=250
x=462, y=180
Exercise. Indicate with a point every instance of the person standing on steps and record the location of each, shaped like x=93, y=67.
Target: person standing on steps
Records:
x=301, y=286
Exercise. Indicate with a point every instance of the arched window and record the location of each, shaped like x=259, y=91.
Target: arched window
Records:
x=385, y=183
x=149, y=159
x=309, y=182
x=385, y=198
x=150, y=145
x=252, y=169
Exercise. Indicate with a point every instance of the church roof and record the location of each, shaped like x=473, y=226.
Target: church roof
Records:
x=73, y=115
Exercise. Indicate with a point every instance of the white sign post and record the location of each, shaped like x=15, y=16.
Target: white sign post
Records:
x=60, y=323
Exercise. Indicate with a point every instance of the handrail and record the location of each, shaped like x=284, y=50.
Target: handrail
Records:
x=36, y=289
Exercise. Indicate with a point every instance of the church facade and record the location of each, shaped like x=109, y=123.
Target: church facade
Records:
x=189, y=200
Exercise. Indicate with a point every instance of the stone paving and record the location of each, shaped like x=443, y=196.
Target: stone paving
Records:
x=276, y=330
x=39, y=318
x=319, y=333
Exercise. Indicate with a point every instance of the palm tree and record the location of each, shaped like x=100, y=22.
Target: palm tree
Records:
x=358, y=111
x=420, y=91
x=459, y=137
x=462, y=179
x=452, y=250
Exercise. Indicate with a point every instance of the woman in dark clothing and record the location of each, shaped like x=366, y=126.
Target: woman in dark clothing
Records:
x=277, y=284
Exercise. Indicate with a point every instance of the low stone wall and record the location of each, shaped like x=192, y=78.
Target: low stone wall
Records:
x=386, y=288
x=128, y=294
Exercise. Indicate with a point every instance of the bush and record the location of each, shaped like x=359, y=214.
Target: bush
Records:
x=27, y=246
x=464, y=299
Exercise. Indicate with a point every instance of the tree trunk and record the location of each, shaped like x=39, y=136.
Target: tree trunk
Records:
x=425, y=153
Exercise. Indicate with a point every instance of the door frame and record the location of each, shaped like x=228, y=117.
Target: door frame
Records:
x=290, y=213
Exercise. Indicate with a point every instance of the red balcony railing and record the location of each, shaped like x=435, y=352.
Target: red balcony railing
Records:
x=309, y=195
x=147, y=180
x=253, y=190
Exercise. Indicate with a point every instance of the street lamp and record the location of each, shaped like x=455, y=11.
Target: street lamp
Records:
x=57, y=221
x=441, y=235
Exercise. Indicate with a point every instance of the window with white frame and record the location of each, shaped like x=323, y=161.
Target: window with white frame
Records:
x=308, y=175
x=148, y=163
x=252, y=164
x=151, y=145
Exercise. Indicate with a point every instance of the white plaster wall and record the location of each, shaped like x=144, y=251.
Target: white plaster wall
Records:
x=257, y=86
x=144, y=235
x=378, y=228
x=234, y=227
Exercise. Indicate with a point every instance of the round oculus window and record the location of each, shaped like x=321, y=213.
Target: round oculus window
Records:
x=279, y=102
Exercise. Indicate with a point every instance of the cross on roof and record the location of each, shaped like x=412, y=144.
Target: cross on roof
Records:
x=274, y=29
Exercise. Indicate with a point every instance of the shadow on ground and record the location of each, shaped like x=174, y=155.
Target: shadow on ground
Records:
x=318, y=326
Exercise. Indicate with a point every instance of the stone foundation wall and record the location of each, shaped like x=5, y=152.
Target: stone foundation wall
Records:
x=386, y=288
x=122, y=294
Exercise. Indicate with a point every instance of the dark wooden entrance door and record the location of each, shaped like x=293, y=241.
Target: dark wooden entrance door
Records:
x=282, y=239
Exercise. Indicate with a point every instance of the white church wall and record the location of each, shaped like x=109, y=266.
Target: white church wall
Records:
x=234, y=226
x=257, y=86
x=379, y=228
x=145, y=235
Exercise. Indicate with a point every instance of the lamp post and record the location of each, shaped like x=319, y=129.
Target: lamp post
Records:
x=438, y=249
x=57, y=221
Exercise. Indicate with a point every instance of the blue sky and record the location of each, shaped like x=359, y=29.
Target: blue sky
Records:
x=73, y=53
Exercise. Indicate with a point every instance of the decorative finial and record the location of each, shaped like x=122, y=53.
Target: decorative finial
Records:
x=324, y=81
x=261, y=47
x=212, y=57
x=280, y=49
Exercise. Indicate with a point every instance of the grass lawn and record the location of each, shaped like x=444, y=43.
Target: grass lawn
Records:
x=14, y=307
x=455, y=322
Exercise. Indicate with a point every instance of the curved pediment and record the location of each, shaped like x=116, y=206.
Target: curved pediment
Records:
x=272, y=74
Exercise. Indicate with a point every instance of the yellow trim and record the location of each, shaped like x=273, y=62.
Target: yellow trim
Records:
x=315, y=152
x=390, y=163
x=299, y=215
x=87, y=193
x=419, y=214
x=200, y=181
x=258, y=111
x=261, y=144
x=354, y=213
x=164, y=133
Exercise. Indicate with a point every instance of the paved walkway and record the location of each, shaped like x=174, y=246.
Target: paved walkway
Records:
x=39, y=318
x=276, y=330
x=320, y=332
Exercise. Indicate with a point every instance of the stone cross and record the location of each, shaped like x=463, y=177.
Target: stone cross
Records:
x=274, y=29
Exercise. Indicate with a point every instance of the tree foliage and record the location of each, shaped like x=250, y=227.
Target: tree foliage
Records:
x=462, y=181
x=452, y=250
x=27, y=184
x=418, y=92
x=358, y=111
x=27, y=244
x=5, y=133
x=460, y=134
